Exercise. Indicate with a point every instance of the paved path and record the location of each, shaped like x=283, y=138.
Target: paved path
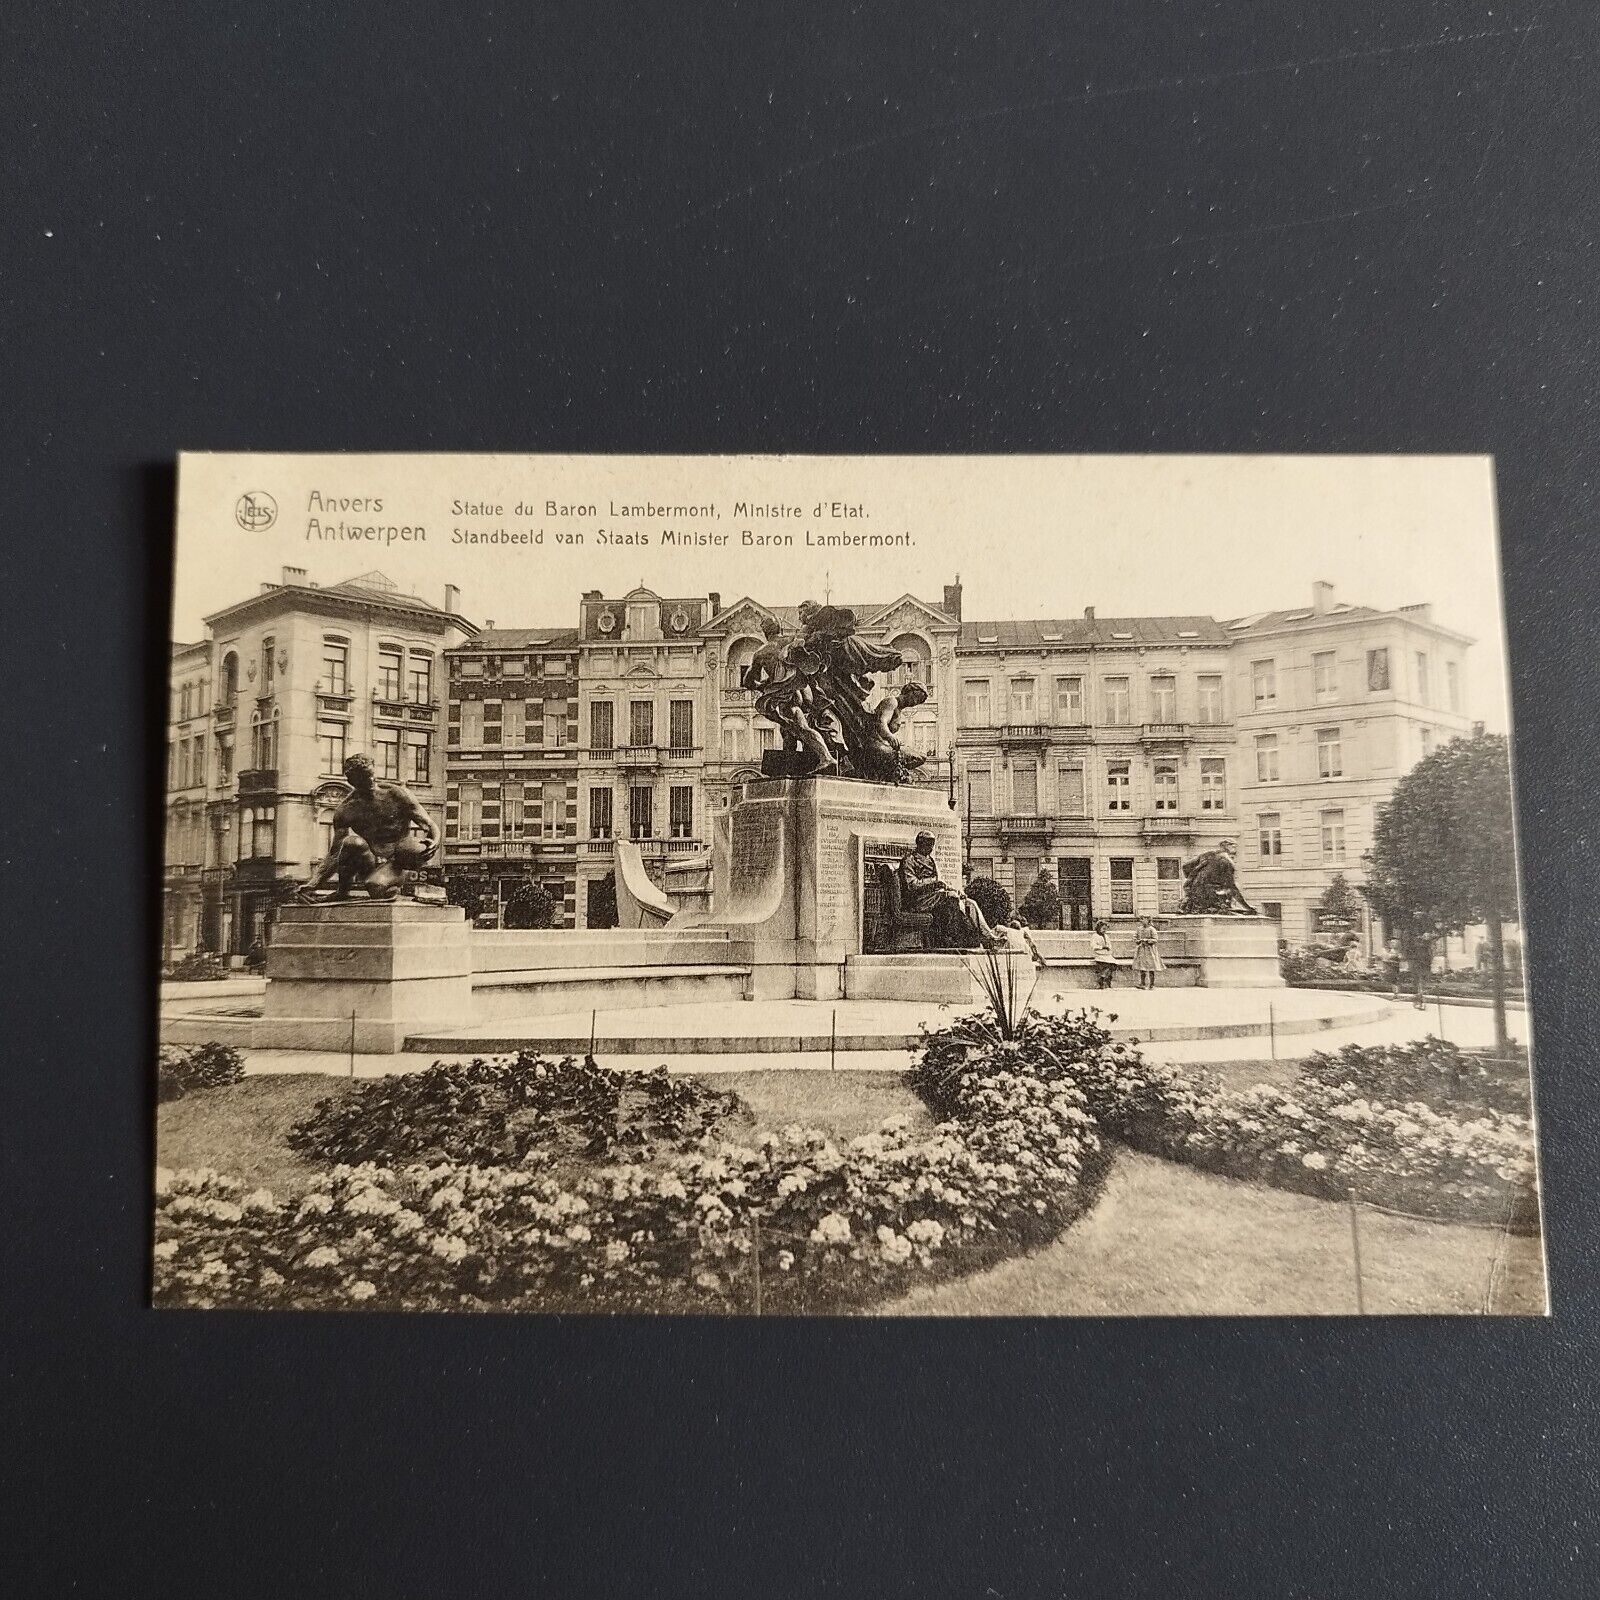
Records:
x=1166, y=1240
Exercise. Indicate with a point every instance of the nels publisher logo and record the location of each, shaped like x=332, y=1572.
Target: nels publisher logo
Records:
x=255, y=511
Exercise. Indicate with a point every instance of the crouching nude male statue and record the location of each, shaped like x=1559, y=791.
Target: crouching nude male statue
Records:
x=372, y=838
x=922, y=889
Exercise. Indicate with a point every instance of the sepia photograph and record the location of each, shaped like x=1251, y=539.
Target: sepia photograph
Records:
x=955, y=886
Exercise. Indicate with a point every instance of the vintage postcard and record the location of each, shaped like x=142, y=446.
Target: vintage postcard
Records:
x=1002, y=885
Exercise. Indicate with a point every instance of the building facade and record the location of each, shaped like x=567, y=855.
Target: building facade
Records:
x=1336, y=703
x=187, y=860
x=511, y=801
x=1098, y=751
x=303, y=677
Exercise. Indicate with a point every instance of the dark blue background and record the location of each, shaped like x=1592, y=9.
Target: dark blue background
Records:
x=1114, y=226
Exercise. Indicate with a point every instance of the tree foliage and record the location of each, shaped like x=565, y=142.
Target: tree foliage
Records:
x=1442, y=854
x=992, y=900
x=1340, y=905
x=1041, y=906
x=530, y=905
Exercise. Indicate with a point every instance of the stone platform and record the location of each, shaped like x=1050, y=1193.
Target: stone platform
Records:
x=846, y=1028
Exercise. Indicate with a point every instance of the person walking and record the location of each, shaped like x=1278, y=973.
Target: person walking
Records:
x=1105, y=963
x=1147, y=960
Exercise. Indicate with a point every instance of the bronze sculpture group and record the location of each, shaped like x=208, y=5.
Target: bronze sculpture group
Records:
x=815, y=686
x=380, y=832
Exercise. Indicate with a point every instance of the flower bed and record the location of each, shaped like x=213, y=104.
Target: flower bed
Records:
x=791, y=1216
x=183, y=1068
x=1440, y=1074
x=1323, y=1136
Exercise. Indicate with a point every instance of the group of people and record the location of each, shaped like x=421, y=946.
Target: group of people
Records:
x=1147, y=960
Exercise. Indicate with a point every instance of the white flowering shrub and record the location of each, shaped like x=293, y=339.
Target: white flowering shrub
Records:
x=827, y=1226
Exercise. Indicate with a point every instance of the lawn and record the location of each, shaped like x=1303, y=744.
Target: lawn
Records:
x=1163, y=1239
x=1166, y=1240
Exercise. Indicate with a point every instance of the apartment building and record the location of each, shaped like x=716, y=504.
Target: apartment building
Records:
x=1336, y=702
x=1098, y=750
x=511, y=798
x=305, y=675
x=188, y=761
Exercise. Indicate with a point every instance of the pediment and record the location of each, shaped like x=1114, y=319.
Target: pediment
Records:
x=907, y=614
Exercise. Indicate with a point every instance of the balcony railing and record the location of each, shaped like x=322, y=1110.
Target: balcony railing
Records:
x=1039, y=826
x=1166, y=824
x=638, y=755
x=224, y=712
x=258, y=781
x=1025, y=733
x=598, y=847
x=1164, y=732
x=683, y=847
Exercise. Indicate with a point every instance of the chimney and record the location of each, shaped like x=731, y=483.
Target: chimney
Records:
x=294, y=575
x=716, y=602
x=1088, y=613
x=1321, y=597
x=592, y=594
x=452, y=597
x=488, y=624
x=952, y=598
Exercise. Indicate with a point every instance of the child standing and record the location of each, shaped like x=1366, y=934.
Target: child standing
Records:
x=1105, y=964
x=1147, y=960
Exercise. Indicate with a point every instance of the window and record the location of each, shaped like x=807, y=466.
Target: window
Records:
x=1070, y=796
x=419, y=758
x=1264, y=682
x=1333, y=835
x=264, y=743
x=1330, y=753
x=472, y=723
x=470, y=811
x=261, y=829
x=1422, y=678
x=1213, y=783
x=389, y=667
x=1022, y=703
x=1069, y=701
x=224, y=758
x=1269, y=835
x=680, y=810
x=515, y=713
x=641, y=620
x=555, y=725
x=1452, y=684
x=419, y=678
x=511, y=810
x=1169, y=884
x=514, y=667
x=555, y=667
x=980, y=790
x=1164, y=698
x=198, y=774
x=733, y=745
x=269, y=664
x=680, y=724
x=1377, y=670
x=1208, y=701
x=1025, y=788
x=335, y=665
x=641, y=813
x=1272, y=910
x=1122, y=886
x=600, y=813
x=1266, y=758
x=602, y=725
x=330, y=745
x=1165, y=775
x=228, y=685
x=184, y=695
x=471, y=668
x=493, y=727
x=915, y=664
x=386, y=745
x=554, y=810
x=1325, y=675
x=1119, y=786
x=767, y=735
x=975, y=702
x=1118, y=702
x=642, y=722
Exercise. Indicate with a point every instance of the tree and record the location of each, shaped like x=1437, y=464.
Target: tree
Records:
x=992, y=900
x=464, y=892
x=602, y=902
x=1041, y=906
x=1339, y=909
x=1443, y=855
x=530, y=905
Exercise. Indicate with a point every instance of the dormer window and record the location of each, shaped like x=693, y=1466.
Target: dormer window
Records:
x=641, y=619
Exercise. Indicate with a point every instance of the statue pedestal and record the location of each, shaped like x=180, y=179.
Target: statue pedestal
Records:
x=1235, y=952
x=790, y=874
x=394, y=966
